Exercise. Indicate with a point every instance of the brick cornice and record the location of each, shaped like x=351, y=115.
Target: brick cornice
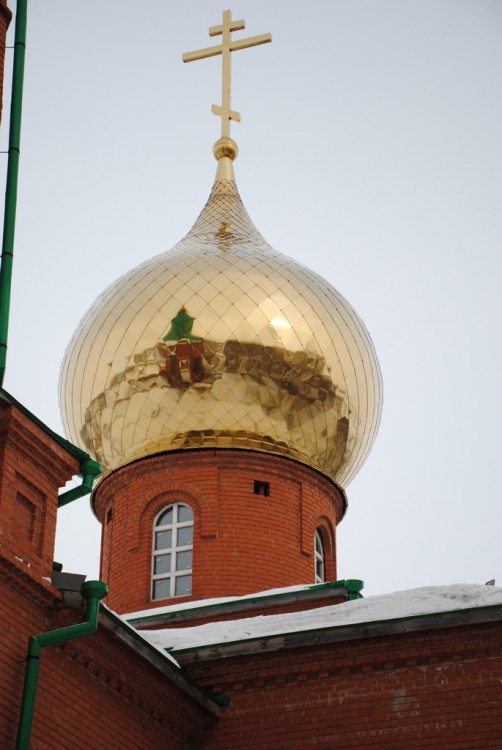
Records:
x=285, y=468
x=5, y=12
x=50, y=457
x=16, y=572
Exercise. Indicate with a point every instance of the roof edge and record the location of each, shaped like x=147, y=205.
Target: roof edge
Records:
x=160, y=661
x=247, y=602
x=334, y=633
x=73, y=450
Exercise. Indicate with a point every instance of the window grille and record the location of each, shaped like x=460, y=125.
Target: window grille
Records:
x=172, y=552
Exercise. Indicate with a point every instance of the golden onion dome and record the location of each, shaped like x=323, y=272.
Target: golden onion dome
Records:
x=223, y=342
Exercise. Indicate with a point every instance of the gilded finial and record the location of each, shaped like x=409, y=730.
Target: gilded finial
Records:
x=224, y=49
x=225, y=147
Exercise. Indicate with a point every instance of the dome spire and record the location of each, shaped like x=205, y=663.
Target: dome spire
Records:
x=225, y=146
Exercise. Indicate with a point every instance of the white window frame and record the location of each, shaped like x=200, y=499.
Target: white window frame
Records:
x=319, y=558
x=174, y=573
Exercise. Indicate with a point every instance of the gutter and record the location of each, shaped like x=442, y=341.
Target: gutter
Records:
x=73, y=450
x=89, y=471
x=16, y=107
x=93, y=591
x=350, y=588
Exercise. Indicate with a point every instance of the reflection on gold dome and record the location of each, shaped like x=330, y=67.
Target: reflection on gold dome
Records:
x=223, y=342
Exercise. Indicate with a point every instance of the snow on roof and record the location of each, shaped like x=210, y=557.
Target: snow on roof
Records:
x=138, y=635
x=155, y=611
x=413, y=602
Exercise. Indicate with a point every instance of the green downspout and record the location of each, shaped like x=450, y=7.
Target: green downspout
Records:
x=93, y=591
x=89, y=470
x=16, y=106
x=354, y=587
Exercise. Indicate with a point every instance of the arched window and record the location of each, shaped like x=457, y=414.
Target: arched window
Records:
x=320, y=574
x=172, y=552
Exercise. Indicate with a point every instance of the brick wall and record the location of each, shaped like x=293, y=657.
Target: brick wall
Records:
x=92, y=693
x=22, y=615
x=33, y=466
x=244, y=542
x=431, y=689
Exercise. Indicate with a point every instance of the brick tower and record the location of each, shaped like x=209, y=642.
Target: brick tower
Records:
x=229, y=394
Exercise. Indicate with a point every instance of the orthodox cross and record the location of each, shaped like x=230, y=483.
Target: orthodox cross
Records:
x=224, y=49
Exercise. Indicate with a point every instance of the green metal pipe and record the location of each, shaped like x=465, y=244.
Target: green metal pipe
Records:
x=354, y=587
x=93, y=591
x=89, y=470
x=16, y=106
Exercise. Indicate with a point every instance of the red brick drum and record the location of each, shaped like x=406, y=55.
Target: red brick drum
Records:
x=255, y=517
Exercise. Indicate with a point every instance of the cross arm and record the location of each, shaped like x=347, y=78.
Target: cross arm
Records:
x=200, y=54
x=251, y=41
x=234, y=26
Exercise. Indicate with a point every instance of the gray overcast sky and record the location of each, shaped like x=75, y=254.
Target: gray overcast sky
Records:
x=370, y=150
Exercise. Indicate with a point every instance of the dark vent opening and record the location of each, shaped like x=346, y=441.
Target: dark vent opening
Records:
x=261, y=488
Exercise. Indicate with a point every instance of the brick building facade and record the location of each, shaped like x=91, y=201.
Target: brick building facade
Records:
x=422, y=681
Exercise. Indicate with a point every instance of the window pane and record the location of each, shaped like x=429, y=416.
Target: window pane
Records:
x=318, y=544
x=163, y=539
x=183, y=586
x=166, y=518
x=320, y=574
x=185, y=536
x=184, y=513
x=162, y=564
x=161, y=589
x=184, y=560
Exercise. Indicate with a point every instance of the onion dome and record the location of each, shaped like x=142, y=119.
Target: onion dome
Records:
x=223, y=342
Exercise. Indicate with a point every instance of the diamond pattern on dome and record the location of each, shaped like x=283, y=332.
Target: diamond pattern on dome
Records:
x=276, y=359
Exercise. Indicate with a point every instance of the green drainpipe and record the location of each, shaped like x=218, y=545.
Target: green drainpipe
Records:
x=16, y=106
x=89, y=470
x=354, y=587
x=93, y=591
